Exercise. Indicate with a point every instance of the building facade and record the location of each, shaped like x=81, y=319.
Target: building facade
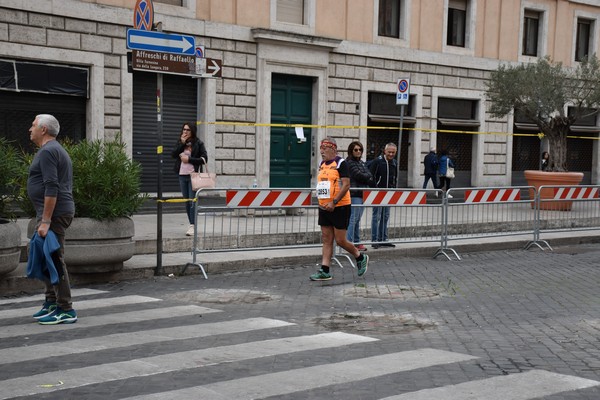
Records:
x=331, y=65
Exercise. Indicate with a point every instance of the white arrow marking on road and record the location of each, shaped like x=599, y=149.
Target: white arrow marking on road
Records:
x=182, y=43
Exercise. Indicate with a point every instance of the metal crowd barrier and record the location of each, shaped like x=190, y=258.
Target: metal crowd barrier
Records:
x=566, y=208
x=478, y=213
x=268, y=218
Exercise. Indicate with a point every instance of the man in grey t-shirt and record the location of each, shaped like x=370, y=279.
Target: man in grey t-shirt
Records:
x=49, y=187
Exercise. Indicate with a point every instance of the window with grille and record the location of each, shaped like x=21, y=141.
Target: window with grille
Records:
x=291, y=11
x=457, y=23
x=531, y=27
x=582, y=45
x=390, y=18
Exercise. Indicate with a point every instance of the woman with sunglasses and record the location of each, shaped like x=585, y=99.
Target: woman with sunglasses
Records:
x=189, y=154
x=360, y=177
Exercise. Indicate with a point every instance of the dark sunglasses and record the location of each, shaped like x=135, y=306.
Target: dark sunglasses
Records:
x=357, y=149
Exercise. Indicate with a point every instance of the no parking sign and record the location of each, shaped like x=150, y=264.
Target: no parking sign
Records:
x=143, y=15
x=403, y=90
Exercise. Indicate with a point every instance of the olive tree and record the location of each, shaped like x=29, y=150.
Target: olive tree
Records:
x=552, y=96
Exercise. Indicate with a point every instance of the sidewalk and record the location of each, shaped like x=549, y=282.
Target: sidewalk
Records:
x=177, y=254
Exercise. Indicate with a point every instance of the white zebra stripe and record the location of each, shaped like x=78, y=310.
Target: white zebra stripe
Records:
x=297, y=380
x=81, y=305
x=61, y=348
x=40, y=297
x=523, y=386
x=72, y=378
x=112, y=318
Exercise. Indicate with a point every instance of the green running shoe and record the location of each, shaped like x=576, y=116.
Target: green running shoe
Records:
x=363, y=265
x=47, y=309
x=320, y=275
x=59, y=317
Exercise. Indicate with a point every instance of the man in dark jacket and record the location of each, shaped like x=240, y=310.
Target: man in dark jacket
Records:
x=431, y=166
x=383, y=169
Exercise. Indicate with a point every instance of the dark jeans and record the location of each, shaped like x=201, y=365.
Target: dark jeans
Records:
x=60, y=293
x=445, y=182
x=185, y=183
x=379, y=223
x=433, y=178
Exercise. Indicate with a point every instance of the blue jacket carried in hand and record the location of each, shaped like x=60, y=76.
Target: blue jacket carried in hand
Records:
x=40, y=264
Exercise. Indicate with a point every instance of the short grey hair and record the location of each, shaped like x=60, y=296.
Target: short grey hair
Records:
x=50, y=122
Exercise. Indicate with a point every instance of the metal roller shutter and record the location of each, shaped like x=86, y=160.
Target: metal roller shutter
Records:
x=18, y=110
x=179, y=106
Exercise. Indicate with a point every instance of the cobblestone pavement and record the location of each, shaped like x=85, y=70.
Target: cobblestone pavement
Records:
x=498, y=315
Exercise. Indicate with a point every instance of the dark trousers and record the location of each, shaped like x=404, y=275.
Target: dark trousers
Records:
x=433, y=178
x=60, y=293
x=185, y=184
x=445, y=182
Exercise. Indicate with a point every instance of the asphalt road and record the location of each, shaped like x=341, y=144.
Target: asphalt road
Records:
x=500, y=325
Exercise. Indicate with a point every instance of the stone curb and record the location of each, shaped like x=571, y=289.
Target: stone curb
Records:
x=144, y=266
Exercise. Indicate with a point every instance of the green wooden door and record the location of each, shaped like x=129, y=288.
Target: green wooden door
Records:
x=291, y=103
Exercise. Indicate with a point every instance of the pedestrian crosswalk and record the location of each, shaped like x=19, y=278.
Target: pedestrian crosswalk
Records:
x=62, y=361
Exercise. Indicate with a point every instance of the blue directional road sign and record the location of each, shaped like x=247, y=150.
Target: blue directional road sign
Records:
x=138, y=39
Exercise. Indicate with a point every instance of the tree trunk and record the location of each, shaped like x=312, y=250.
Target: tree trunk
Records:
x=556, y=132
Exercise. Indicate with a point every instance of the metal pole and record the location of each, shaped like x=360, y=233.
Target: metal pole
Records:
x=159, y=152
x=399, y=146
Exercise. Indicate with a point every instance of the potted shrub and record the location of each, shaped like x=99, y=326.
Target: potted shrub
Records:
x=10, y=234
x=554, y=97
x=106, y=190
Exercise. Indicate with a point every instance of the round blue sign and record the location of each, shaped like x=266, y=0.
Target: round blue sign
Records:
x=402, y=86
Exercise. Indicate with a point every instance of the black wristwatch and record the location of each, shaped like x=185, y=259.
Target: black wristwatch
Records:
x=335, y=202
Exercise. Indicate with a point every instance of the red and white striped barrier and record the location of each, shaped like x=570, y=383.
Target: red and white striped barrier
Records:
x=393, y=198
x=492, y=195
x=575, y=193
x=268, y=198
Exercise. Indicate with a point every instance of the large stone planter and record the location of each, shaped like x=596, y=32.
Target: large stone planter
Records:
x=10, y=241
x=543, y=178
x=93, y=246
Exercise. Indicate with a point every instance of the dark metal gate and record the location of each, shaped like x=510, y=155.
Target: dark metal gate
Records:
x=179, y=106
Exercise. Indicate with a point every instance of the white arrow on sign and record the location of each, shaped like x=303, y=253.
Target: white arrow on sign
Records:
x=214, y=68
x=161, y=42
x=208, y=67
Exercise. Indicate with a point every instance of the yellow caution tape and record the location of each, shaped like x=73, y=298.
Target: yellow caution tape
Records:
x=540, y=135
x=175, y=200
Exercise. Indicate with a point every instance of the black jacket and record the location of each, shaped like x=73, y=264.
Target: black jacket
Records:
x=360, y=176
x=431, y=163
x=198, y=151
x=384, y=172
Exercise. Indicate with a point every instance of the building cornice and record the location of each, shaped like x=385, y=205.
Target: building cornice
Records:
x=269, y=35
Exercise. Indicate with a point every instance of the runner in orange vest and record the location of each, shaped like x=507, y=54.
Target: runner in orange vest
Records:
x=334, y=209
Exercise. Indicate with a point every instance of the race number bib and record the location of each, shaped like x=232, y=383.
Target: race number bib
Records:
x=324, y=190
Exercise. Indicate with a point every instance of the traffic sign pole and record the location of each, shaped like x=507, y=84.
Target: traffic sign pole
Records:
x=402, y=97
x=159, y=153
x=399, y=146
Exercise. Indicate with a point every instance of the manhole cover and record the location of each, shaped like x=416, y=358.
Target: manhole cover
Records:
x=390, y=292
x=374, y=324
x=222, y=296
